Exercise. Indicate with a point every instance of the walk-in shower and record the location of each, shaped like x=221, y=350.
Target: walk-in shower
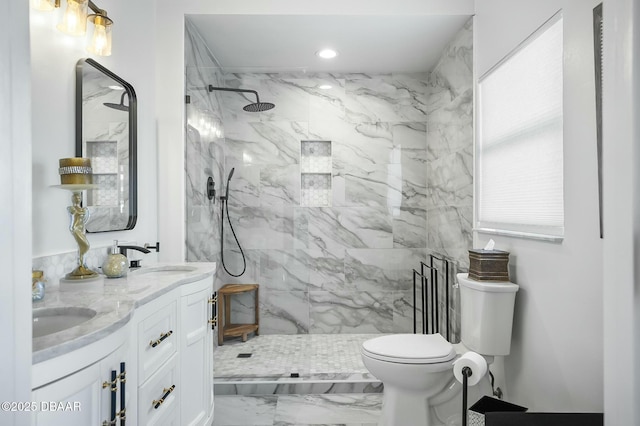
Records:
x=254, y=107
x=224, y=207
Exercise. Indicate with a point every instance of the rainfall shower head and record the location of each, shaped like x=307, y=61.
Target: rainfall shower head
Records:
x=259, y=107
x=120, y=107
x=254, y=107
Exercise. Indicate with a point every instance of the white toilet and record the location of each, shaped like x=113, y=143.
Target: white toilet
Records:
x=417, y=369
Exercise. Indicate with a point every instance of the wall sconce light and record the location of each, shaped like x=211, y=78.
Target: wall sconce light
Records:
x=45, y=5
x=99, y=38
x=74, y=19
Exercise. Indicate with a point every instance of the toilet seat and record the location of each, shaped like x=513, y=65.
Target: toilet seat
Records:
x=410, y=348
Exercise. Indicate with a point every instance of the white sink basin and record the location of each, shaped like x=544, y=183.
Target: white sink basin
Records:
x=51, y=320
x=165, y=269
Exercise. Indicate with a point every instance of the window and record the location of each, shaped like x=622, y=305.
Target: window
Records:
x=519, y=173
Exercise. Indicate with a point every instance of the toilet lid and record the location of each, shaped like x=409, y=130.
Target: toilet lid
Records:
x=410, y=348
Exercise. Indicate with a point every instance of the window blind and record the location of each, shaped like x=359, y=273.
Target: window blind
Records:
x=520, y=163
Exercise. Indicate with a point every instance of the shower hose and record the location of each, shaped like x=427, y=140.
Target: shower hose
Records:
x=225, y=207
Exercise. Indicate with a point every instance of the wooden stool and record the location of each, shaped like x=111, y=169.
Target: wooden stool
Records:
x=233, y=330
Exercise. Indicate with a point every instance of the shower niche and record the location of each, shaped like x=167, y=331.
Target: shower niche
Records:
x=315, y=173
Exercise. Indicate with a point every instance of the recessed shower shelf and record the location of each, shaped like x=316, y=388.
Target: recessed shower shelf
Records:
x=315, y=173
x=104, y=157
x=108, y=194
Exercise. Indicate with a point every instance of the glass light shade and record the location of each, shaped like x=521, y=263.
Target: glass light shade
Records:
x=45, y=5
x=99, y=35
x=74, y=19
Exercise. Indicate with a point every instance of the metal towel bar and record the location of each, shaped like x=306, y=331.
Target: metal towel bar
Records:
x=430, y=288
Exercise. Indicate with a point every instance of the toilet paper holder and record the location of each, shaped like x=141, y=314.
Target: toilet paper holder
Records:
x=470, y=364
x=466, y=373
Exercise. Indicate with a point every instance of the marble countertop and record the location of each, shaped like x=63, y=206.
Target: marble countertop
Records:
x=114, y=300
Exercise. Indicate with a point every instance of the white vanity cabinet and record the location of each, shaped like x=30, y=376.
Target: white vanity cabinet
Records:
x=196, y=353
x=175, y=357
x=97, y=394
x=155, y=369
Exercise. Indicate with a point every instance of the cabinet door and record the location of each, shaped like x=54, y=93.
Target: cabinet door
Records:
x=90, y=396
x=196, y=357
x=58, y=401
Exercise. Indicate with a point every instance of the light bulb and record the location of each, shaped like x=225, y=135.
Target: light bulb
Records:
x=74, y=20
x=99, y=41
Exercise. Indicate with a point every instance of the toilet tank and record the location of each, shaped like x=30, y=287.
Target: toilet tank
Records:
x=486, y=315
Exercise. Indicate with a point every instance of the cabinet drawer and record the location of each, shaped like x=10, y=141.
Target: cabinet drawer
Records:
x=158, y=398
x=157, y=339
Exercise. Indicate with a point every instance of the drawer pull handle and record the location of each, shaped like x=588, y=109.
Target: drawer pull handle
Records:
x=163, y=336
x=123, y=399
x=113, y=385
x=214, y=310
x=158, y=402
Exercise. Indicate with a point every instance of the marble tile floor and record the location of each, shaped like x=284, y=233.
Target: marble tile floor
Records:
x=311, y=356
x=300, y=410
x=333, y=387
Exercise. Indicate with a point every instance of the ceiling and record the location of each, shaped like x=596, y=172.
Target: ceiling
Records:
x=366, y=43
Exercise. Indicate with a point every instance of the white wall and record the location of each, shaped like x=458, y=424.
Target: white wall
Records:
x=54, y=56
x=15, y=223
x=557, y=351
x=621, y=212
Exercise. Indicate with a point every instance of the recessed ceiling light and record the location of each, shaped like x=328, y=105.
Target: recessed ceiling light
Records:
x=325, y=86
x=327, y=53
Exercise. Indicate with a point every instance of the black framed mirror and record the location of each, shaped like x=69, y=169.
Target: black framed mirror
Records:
x=106, y=132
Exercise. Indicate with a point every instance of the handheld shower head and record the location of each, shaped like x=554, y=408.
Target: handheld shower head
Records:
x=226, y=195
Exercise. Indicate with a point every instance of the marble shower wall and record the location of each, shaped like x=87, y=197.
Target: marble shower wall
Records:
x=204, y=156
x=396, y=194
x=450, y=159
x=344, y=268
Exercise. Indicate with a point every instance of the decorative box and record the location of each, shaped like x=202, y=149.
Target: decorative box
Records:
x=488, y=265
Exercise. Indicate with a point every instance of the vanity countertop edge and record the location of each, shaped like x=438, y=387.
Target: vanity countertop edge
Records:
x=115, y=301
